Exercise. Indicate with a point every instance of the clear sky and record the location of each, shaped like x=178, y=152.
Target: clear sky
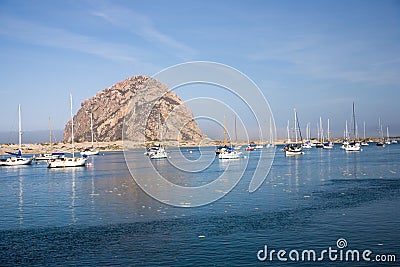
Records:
x=315, y=56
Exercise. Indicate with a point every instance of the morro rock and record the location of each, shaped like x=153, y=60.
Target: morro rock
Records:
x=138, y=109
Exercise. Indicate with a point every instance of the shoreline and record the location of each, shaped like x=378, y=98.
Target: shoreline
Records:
x=38, y=148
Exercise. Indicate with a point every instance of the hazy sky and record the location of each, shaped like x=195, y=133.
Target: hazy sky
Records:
x=315, y=56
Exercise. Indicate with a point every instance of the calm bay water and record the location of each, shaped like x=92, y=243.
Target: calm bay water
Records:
x=100, y=216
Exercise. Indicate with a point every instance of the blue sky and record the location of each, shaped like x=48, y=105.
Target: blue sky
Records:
x=315, y=56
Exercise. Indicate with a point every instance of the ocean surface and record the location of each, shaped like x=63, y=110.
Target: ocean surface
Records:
x=31, y=137
x=99, y=216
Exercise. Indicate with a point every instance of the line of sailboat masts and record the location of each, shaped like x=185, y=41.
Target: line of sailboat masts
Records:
x=321, y=135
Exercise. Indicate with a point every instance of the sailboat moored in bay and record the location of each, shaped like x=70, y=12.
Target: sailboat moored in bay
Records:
x=17, y=158
x=63, y=162
x=354, y=145
x=296, y=147
x=90, y=151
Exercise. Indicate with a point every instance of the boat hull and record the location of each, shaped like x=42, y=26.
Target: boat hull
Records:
x=229, y=155
x=293, y=153
x=89, y=153
x=66, y=162
x=158, y=154
x=352, y=147
x=16, y=161
x=293, y=150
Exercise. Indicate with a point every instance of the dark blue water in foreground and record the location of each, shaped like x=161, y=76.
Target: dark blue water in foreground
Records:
x=99, y=215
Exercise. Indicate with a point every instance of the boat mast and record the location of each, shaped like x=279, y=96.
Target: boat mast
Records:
x=295, y=125
x=321, y=129
x=298, y=127
x=235, y=131
x=72, y=127
x=329, y=136
x=354, y=123
x=270, y=130
x=224, y=130
x=364, y=131
x=307, y=131
x=387, y=132
x=19, y=127
x=91, y=126
x=51, y=136
x=380, y=130
x=288, y=132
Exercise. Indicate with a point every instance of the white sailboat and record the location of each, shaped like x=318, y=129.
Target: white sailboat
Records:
x=364, y=141
x=271, y=141
x=63, y=162
x=380, y=130
x=353, y=146
x=52, y=155
x=90, y=151
x=329, y=144
x=320, y=143
x=295, y=148
x=236, y=146
x=17, y=158
x=259, y=146
x=158, y=151
x=228, y=152
x=345, y=137
x=307, y=143
x=387, y=136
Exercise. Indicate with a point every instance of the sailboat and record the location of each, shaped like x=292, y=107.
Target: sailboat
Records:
x=364, y=141
x=320, y=143
x=236, y=146
x=388, y=137
x=353, y=146
x=295, y=148
x=307, y=143
x=158, y=151
x=329, y=144
x=271, y=141
x=52, y=155
x=228, y=152
x=346, y=138
x=62, y=162
x=17, y=158
x=90, y=150
x=381, y=142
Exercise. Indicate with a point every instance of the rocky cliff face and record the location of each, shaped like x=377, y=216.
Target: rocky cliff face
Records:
x=139, y=109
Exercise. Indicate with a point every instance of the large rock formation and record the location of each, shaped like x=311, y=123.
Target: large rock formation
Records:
x=149, y=109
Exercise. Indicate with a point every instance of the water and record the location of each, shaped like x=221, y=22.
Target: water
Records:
x=100, y=216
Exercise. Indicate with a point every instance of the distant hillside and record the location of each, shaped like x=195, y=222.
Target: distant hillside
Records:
x=110, y=105
x=31, y=137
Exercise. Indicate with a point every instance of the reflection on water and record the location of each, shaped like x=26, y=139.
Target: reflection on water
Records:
x=106, y=192
x=21, y=199
x=73, y=195
x=99, y=216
